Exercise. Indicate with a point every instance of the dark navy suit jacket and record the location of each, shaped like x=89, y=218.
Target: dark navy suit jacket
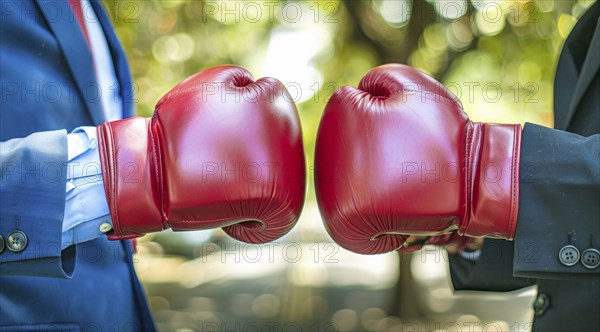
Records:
x=559, y=199
x=48, y=87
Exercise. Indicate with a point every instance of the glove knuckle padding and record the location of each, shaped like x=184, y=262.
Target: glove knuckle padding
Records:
x=390, y=79
x=243, y=139
x=369, y=181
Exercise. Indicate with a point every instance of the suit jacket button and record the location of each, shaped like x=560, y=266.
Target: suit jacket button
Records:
x=16, y=241
x=568, y=255
x=541, y=304
x=590, y=258
x=1, y=243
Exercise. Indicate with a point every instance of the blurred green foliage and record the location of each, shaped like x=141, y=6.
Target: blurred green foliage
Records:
x=499, y=57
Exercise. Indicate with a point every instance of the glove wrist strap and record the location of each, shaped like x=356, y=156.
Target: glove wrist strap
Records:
x=492, y=166
x=129, y=174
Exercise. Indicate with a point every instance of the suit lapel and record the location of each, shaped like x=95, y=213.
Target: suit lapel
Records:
x=589, y=69
x=76, y=52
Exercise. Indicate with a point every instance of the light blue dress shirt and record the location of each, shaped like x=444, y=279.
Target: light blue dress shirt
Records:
x=86, y=208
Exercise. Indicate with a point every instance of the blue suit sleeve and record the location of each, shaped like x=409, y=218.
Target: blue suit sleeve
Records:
x=32, y=196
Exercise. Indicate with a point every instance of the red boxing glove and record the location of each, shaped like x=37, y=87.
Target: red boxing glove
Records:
x=398, y=156
x=221, y=150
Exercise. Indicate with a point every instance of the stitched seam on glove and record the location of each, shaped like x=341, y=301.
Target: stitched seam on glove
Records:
x=515, y=175
x=468, y=177
x=113, y=182
x=427, y=95
x=180, y=92
x=158, y=168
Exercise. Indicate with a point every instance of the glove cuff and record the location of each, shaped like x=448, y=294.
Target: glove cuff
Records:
x=492, y=165
x=129, y=172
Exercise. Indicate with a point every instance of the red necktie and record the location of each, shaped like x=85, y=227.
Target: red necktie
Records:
x=78, y=10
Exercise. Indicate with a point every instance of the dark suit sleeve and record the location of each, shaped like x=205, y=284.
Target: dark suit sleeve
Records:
x=32, y=197
x=492, y=271
x=559, y=202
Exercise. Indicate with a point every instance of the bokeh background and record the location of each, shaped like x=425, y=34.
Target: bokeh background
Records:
x=498, y=57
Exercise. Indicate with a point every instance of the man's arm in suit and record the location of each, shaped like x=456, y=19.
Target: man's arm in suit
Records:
x=559, y=190
x=559, y=195
x=32, y=196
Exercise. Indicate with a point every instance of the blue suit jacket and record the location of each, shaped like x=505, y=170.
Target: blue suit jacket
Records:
x=48, y=87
